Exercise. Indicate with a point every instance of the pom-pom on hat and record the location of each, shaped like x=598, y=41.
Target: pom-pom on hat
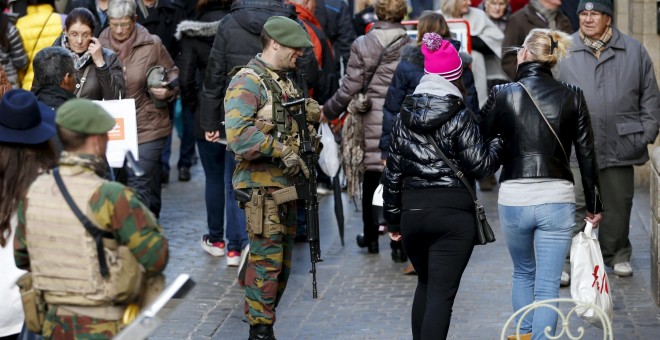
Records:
x=440, y=57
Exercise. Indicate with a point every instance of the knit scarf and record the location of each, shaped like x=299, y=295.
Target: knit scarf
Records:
x=550, y=15
x=123, y=48
x=79, y=60
x=597, y=45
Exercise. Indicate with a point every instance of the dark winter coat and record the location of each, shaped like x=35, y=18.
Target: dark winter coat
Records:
x=530, y=148
x=436, y=109
x=196, y=39
x=361, y=66
x=406, y=77
x=236, y=43
x=169, y=13
x=520, y=23
x=336, y=21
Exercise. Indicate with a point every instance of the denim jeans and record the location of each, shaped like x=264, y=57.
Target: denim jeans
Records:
x=187, y=147
x=218, y=164
x=236, y=230
x=538, y=238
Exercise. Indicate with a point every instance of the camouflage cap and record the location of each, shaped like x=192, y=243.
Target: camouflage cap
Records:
x=287, y=32
x=83, y=116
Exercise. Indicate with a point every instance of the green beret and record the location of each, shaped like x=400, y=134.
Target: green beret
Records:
x=83, y=116
x=287, y=32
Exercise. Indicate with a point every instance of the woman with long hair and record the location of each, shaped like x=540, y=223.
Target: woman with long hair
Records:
x=25, y=152
x=541, y=120
x=426, y=204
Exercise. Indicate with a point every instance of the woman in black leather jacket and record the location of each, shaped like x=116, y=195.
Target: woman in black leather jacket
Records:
x=426, y=205
x=536, y=199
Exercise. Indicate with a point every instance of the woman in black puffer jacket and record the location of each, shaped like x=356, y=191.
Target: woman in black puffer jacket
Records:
x=426, y=205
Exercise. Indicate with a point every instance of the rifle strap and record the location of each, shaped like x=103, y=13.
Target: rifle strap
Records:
x=97, y=234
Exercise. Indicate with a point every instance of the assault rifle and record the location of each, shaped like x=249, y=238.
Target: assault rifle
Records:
x=306, y=187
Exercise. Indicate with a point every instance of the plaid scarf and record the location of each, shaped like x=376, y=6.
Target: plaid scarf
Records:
x=597, y=45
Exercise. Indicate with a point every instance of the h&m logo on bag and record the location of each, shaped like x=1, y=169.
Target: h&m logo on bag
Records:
x=601, y=285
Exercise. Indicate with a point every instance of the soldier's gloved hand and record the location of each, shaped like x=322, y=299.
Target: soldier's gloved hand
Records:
x=293, y=163
x=313, y=110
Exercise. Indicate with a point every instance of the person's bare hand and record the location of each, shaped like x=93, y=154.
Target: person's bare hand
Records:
x=594, y=218
x=395, y=236
x=212, y=136
x=95, y=49
x=323, y=118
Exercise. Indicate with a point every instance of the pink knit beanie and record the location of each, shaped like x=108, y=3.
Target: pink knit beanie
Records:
x=440, y=57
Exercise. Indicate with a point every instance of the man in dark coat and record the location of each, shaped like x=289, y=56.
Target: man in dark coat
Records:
x=337, y=22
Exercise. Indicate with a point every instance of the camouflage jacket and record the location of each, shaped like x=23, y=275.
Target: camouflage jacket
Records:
x=256, y=151
x=119, y=210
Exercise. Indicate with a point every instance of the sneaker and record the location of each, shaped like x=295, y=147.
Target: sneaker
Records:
x=565, y=280
x=242, y=266
x=233, y=258
x=323, y=190
x=623, y=269
x=213, y=248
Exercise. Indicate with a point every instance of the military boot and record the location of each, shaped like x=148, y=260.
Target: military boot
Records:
x=261, y=332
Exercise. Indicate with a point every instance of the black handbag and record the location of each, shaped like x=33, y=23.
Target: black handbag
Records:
x=484, y=231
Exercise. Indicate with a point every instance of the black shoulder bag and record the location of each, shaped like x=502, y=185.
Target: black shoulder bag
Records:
x=97, y=234
x=484, y=231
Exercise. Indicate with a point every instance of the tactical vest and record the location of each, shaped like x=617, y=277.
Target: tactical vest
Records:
x=63, y=256
x=271, y=117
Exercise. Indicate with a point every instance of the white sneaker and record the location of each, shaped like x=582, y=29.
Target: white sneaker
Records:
x=213, y=248
x=623, y=269
x=233, y=258
x=565, y=280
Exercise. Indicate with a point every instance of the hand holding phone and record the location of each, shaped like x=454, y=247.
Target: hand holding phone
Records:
x=96, y=51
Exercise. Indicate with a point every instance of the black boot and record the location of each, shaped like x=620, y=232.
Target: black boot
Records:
x=261, y=332
x=398, y=255
x=372, y=246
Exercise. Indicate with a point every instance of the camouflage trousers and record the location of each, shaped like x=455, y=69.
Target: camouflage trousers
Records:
x=268, y=269
x=77, y=327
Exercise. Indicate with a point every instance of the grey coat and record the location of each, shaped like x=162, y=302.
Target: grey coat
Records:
x=622, y=95
x=365, y=52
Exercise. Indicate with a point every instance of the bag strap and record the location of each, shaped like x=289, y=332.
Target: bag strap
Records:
x=97, y=234
x=380, y=59
x=453, y=168
x=36, y=42
x=546, y=120
x=82, y=81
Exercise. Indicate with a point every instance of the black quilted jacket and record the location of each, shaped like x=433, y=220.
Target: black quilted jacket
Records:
x=414, y=164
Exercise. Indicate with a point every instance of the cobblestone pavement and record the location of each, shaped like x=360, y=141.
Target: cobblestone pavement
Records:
x=364, y=296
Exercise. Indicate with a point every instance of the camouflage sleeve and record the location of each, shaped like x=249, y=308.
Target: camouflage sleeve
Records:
x=242, y=101
x=119, y=209
x=21, y=256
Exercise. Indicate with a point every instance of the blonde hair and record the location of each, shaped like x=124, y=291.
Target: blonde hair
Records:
x=450, y=8
x=539, y=42
x=391, y=10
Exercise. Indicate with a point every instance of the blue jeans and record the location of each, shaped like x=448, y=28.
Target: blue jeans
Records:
x=218, y=164
x=538, y=238
x=236, y=229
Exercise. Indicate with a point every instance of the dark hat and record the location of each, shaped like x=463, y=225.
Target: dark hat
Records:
x=83, y=116
x=603, y=6
x=287, y=32
x=25, y=120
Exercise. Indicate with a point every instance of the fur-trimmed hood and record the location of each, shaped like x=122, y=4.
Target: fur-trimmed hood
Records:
x=196, y=29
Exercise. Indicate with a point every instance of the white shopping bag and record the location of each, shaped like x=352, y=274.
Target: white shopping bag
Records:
x=123, y=137
x=589, y=281
x=329, y=157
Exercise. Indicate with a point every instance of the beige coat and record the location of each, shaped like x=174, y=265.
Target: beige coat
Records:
x=147, y=51
x=365, y=52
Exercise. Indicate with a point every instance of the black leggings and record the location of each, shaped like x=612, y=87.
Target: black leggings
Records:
x=438, y=229
x=370, y=182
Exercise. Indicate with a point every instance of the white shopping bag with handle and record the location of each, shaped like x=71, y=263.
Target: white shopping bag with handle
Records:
x=329, y=157
x=589, y=281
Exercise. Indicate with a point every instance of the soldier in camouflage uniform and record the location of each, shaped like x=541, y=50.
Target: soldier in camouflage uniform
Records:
x=79, y=298
x=265, y=143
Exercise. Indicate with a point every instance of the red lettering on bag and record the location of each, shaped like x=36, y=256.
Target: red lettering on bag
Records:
x=603, y=285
